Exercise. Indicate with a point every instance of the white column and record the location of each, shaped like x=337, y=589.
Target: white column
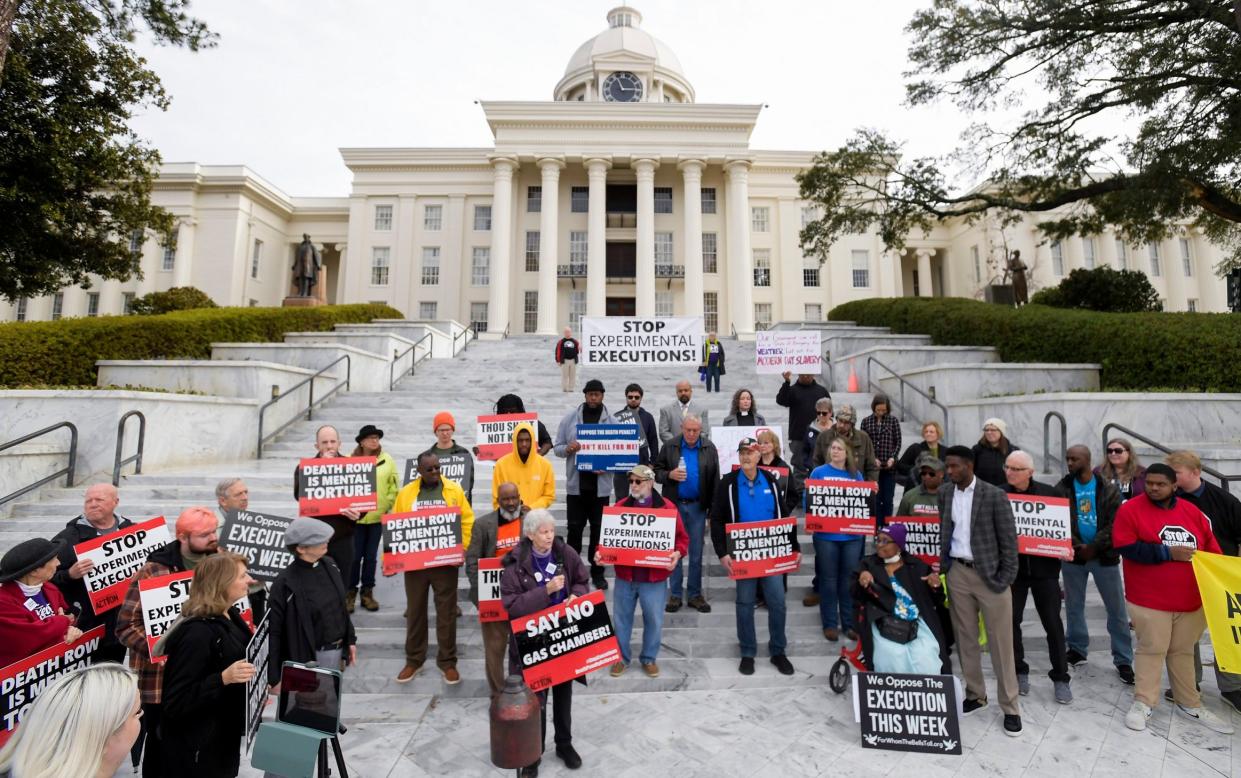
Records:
x=406, y=268
x=501, y=241
x=183, y=267
x=1073, y=253
x=597, y=243
x=1212, y=290
x=645, y=276
x=925, y=288
x=1105, y=249
x=691, y=172
x=891, y=261
x=354, y=270
x=549, y=243
x=1173, y=273
x=740, y=262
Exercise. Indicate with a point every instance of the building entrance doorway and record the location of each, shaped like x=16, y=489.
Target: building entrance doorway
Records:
x=622, y=306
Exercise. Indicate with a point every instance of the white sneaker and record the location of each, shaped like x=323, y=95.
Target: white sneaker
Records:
x=1206, y=718
x=1138, y=714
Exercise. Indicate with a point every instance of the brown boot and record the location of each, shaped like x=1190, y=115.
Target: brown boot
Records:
x=351, y=597
x=368, y=599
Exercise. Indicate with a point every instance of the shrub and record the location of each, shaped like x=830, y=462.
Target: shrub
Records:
x=64, y=352
x=1102, y=289
x=1186, y=351
x=178, y=298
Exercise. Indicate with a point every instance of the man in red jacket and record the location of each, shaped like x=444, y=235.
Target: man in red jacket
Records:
x=648, y=585
x=1156, y=534
x=567, y=351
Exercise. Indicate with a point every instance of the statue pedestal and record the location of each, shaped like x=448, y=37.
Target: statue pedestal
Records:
x=293, y=301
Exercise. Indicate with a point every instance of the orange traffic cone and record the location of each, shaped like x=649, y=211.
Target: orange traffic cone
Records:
x=853, y=382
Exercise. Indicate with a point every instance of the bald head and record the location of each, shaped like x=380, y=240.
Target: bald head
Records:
x=1077, y=459
x=685, y=390
x=327, y=441
x=99, y=505
x=508, y=499
x=1019, y=470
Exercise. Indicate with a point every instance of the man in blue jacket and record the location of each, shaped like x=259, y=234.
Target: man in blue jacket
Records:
x=584, y=500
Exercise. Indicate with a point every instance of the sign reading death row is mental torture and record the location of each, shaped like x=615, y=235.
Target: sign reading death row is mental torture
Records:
x=259, y=537
x=900, y=712
x=329, y=486
x=610, y=448
x=762, y=548
x=454, y=467
x=417, y=540
x=639, y=537
x=921, y=537
x=117, y=557
x=258, y=653
x=490, y=608
x=24, y=680
x=162, y=598
x=495, y=433
x=565, y=641
x=1043, y=527
x=791, y=351
x=834, y=505
x=620, y=341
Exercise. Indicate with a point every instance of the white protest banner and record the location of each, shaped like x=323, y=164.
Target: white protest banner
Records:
x=792, y=351
x=622, y=341
x=727, y=438
x=257, y=654
x=640, y=537
x=1042, y=525
x=495, y=433
x=117, y=557
x=24, y=680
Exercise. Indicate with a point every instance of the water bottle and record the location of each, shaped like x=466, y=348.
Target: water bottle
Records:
x=681, y=465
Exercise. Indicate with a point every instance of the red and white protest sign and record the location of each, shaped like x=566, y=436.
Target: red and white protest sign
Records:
x=640, y=537
x=117, y=557
x=24, y=680
x=162, y=598
x=1043, y=527
x=565, y=641
x=489, y=606
x=508, y=535
x=495, y=433
x=762, y=548
x=327, y=486
x=417, y=540
x=836, y=505
x=921, y=535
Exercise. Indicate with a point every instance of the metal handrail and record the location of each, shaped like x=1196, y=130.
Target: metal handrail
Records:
x=310, y=406
x=117, y=462
x=826, y=361
x=1224, y=480
x=66, y=471
x=413, y=362
x=1064, y=439
x=870, y=386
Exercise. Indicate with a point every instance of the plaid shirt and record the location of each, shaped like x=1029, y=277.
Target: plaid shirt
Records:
x=885, y=434
x=131, y=631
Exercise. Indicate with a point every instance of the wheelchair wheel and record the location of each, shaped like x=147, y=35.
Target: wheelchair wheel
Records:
x=838, y=679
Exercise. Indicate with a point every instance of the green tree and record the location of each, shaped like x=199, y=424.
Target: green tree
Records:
x=1102, y=289
x=1169, y=72
x=75, y=181
x=178, y=298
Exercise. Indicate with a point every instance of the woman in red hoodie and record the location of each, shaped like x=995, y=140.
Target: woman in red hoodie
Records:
x=32, y=610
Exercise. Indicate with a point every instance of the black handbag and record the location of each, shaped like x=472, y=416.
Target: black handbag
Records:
x=897, y=630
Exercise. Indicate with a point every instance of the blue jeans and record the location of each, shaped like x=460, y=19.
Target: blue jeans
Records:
x=627, y=595
x=365, y=554
x=1107, y=581
x=713, y=374
x=773, y=592
x=834, y=562
x=887, y=488
x=694, y=516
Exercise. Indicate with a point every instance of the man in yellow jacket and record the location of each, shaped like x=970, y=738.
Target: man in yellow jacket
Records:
x=426, y=491
x=533, y=474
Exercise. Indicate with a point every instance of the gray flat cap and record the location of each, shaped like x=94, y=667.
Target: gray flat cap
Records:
x=307, y=532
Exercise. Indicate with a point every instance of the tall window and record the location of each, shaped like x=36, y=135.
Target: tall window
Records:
x=482, y=218
x=430, y=265
x=663, y=303
x=169, y=260
x=136, y=239
x=709, y=252
x=577, y=307
x=1088, y=256
x=256, y=258
x=1057, y=258
x=1122, y=254
x=810, y=271
x=432, y=218
x=663, y=249
x=383, y=218
x=428, y=309
x=760, y=218
x=478, y=316
x=1187, y=262
x=92, y=304
x=480, y=266
x=663, y=199
x=1191, y=306
x=21, y=309
x=762, y=267
x=861, y=269
x=530, y=311
x=708, y=199
x=808, y=214
x=813, y=312
x=127, y=303
x=977, y=260
x=711, y=311
x=532, y=251
x=579, y=199
x=58, y=305
x=1152, y=248
x=762, y=316
x=534, y=199
x=380, y=256
x=579, y=247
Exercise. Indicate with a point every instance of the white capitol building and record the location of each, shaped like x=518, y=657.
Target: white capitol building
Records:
x=622, y=195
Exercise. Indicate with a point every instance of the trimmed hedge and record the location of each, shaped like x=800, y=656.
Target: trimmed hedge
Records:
x=64, y=352
x=1198, y=352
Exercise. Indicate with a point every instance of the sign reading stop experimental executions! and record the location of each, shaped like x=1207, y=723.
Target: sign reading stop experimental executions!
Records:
x=329, y=486
x=1042, y=526
x=565, y=641
x=639, y=537
x=622, y=341
x=117, y=557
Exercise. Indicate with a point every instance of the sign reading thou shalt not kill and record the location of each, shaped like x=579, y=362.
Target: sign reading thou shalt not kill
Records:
x=327, y=486
x=495, y=434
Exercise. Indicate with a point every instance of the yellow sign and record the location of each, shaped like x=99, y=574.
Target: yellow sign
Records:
x=1219, y=581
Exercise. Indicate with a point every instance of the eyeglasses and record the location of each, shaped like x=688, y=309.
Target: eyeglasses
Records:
x=636, y=480
x=881, y=541
x=1017, y=469
x=1116, y=451
x=633, y=397
x=824, y=413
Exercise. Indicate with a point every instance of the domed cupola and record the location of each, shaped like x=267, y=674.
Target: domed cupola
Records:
x=624, y=64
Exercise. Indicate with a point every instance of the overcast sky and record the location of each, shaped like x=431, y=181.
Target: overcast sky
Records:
x=291, y=81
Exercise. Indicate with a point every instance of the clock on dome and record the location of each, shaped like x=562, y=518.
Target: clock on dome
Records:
x=622, y=87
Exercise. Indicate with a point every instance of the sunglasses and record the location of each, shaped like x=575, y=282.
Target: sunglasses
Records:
x=637, y=480
x=633, y=397
x=1116, y=451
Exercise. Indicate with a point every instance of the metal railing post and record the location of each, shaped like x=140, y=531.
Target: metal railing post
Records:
x=1064, y=439
x=310, y=406
x=117, y=462
x=68, y=470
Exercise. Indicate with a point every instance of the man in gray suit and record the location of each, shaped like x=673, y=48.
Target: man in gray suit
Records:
x=978, y=552
x=670, y=415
